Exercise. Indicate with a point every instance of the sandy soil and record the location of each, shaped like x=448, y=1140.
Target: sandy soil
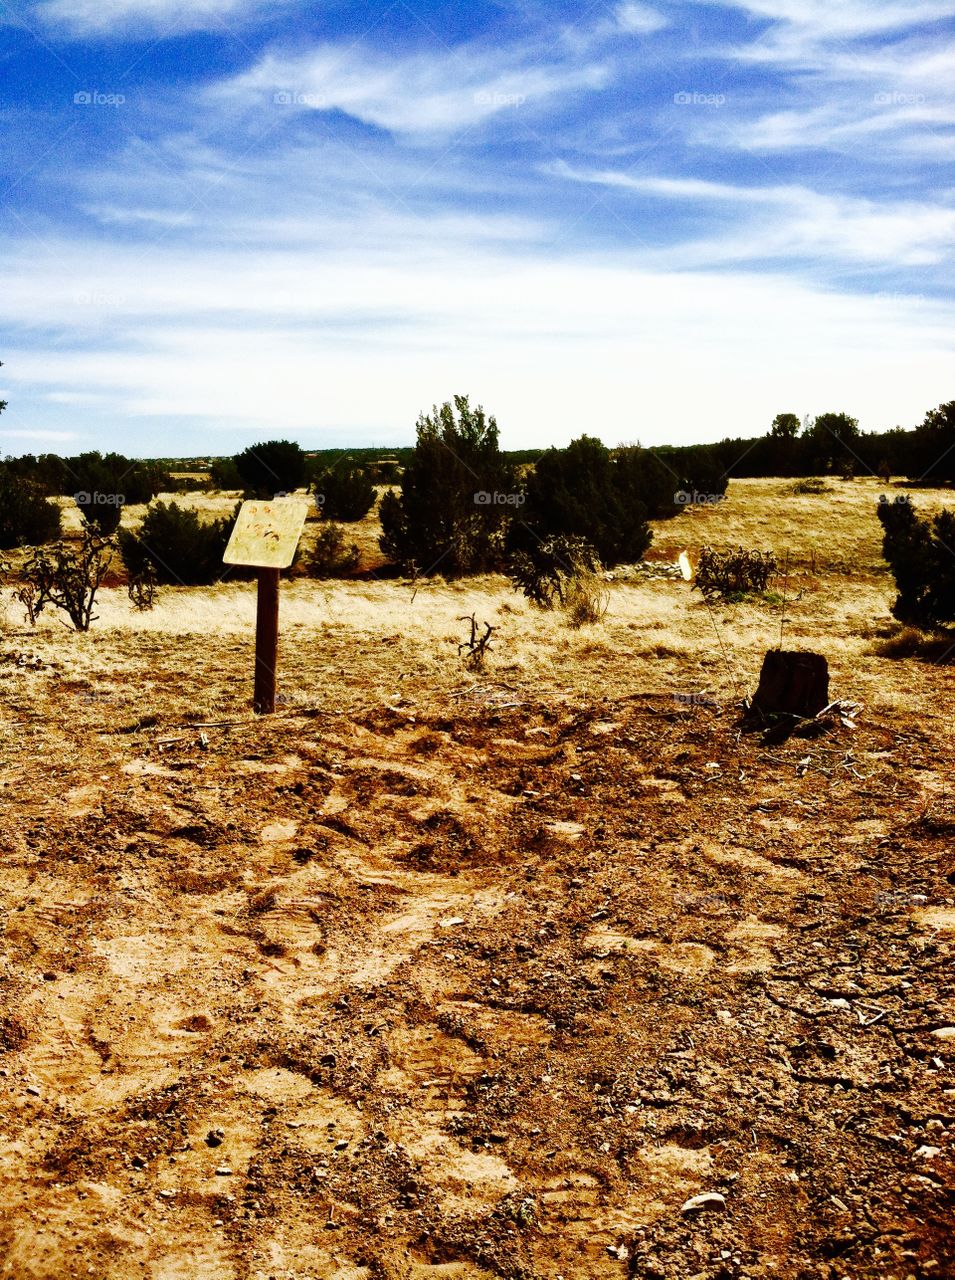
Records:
x=450, y=974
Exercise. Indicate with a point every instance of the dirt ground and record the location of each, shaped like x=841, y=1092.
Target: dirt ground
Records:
x=452, y=974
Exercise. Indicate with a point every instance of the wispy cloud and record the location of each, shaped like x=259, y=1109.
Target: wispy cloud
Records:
x=120, y=18
x=422, y=94
x=822, y=20
x=795, y=221
x=39, y=435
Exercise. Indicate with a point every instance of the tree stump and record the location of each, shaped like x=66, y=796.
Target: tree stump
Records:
x=792, y=684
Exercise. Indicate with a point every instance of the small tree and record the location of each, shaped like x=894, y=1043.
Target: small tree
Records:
x=934, y=452
x=458, y=495
x=581, y=492
x=275, y=466
x=831, y=438
x=785, y=426
x=27, y=517
x=921, y=555
x=102, y=516
x=224, y=474
x=331, y=556
x=345, y=493
x=178, y=545
x=68, y=577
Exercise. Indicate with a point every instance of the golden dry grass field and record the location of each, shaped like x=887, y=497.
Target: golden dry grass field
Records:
x=442, y=974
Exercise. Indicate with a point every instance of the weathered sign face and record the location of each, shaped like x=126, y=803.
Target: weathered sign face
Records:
x=266, y=533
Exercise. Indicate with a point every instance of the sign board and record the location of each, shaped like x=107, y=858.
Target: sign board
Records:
x=266, y=534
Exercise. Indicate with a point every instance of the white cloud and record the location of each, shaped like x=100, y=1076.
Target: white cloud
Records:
x=794, y=221
x=309, y=343
x=436, y=93
x=639, y=19
x=39, y=435
x=120, y=17
x=847, y=19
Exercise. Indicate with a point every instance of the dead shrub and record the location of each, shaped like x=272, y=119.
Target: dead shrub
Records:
x=734, y=574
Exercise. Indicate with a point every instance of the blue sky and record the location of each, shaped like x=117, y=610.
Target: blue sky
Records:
x=225, y=220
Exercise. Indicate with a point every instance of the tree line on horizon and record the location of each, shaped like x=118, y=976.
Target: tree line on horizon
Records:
x=462, y=505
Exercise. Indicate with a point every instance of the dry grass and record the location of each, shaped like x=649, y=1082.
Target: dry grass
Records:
x=379, y=637
x=836, y=531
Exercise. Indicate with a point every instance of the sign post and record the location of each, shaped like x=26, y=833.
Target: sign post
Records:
x=265, y=537
x=266, y=642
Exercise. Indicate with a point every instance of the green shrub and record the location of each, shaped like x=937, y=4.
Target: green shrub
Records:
x=104, y=517
x=27, y=517
x=921, y=555
x=458, y=496
x=547, y=571
x=272, y=467
x=344, y=493
x=178, y=545
x=224, y=474
x=584, y=492
x=331, y=557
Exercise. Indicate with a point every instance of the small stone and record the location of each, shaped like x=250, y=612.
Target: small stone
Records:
x=497, y=1137
x=33, y=1089
x=340, y=1146
x=49, y=977
x=214, y=1138
x=929, y=1153
x=452, y=921
x=138, y=1162
x=223, y=1171
x=706, y=1200
x=944, y=1033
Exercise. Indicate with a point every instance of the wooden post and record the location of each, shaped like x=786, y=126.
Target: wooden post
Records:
x=266, y=641
x=792, y=684
x=264, y=537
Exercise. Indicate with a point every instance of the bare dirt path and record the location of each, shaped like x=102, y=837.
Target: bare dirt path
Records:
x=454, y=991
